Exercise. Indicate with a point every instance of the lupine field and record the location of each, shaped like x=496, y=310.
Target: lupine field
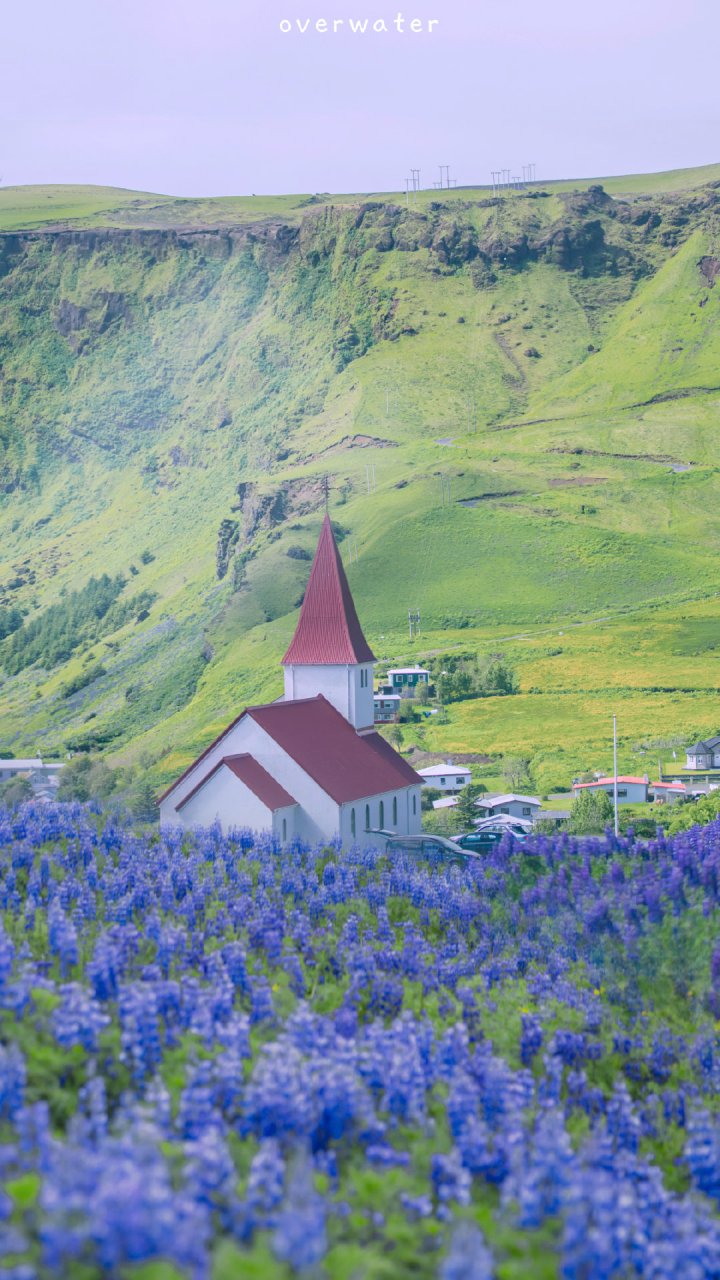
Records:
x=220, y=1059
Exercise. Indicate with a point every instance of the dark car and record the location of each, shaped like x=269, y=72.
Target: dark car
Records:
x=487, y=837
x=432, y=848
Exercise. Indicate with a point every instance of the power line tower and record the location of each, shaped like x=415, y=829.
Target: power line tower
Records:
x=326, y=490
x=414, y=622
x=444, y=490
x=370, y=477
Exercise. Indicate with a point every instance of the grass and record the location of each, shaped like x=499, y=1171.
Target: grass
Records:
x=145, y=380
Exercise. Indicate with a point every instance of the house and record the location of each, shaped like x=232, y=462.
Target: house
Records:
x=630, y=790
x=386, y=707
x=406, y=679
x=668, y=792
x=515, y=806
x=42, y=773
x=309, y=766
x=704, y=755
x=446, y=777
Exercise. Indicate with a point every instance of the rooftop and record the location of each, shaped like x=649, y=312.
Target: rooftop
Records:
x=604, y=782
x=440, y=770
x=328, y=631
x=256, y=779
x=346, y=765
x=510, y=798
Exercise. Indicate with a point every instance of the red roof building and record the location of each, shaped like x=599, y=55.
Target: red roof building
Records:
x=309, y=765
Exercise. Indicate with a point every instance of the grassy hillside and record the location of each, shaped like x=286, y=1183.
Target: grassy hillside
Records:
x=515, y=400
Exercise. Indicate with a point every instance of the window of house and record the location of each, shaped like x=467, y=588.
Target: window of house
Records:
x=505, y=809
x=394, y=811
x=622, y=791
x=459, y=781
x=527, y=810
x=443, y=781
x=367, y=817
x=382, y=815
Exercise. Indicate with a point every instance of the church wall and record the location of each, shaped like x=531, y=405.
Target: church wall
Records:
x=226, y=799
x=347, y=688
x=408, y=823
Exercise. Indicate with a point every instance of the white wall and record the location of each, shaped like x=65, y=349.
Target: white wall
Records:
x=226, y=799
x=341, y=685
x=318, y=816
x=408, y=823
x=447, y=781
x=516, y=809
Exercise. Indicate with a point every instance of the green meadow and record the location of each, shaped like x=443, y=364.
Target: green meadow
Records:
x=515, y=402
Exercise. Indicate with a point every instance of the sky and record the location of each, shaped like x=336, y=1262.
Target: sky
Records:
x=219, y=99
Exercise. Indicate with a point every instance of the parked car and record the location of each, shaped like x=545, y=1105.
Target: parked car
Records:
x=432, y=848
x=487, y=837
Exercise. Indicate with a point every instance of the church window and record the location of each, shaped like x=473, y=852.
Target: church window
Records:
x=394, y=811
x=352, y=822
x=382, y=815
x=284, y=830
x=367, y=817
x=414, y=804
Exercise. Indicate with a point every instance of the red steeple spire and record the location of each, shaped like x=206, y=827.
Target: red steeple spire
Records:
x=328, y=631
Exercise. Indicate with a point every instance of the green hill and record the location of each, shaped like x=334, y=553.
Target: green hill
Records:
x=515, y=400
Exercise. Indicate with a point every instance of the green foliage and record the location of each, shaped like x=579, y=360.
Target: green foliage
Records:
x=14, y=791
x=461, y=676
x=465, y=812
x=590, y=814
x=697, y=813
x=83, y=679
x=87, y=777
x=53, y=636
x=10, y=620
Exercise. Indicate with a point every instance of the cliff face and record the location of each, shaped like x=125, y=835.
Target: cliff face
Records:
x=182, y=393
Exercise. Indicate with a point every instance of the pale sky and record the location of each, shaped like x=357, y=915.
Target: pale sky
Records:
x=214, y=99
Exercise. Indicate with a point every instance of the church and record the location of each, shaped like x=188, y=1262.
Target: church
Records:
x=309, y=766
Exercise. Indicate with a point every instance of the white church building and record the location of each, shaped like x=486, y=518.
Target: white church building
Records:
x=311, y=764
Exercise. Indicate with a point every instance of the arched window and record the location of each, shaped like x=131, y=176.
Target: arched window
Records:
x=284, y=830
x=367, y=817
x=394, y=811
x=352, y=822
x=382, y=815
x=414, y=804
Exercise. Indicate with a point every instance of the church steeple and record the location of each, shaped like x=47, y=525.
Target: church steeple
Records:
x=329, y=653
x=328, y=629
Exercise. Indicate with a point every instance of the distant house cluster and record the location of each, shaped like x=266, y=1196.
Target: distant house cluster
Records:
x=43, y=775
x=399, y=683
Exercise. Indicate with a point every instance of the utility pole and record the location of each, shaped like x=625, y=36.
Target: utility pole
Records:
x=370, y=477
x=326, y=491
x=414, y=622
x=615, y=778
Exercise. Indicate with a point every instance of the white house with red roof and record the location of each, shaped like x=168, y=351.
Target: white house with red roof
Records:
x=311, y=764
x=633, y=790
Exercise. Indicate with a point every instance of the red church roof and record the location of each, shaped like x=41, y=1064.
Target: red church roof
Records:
x=346, y=765
x=256, y=779
x=328, y=630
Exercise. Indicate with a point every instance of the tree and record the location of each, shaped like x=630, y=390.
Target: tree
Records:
x=516, y=773
x=143, y=804
x=396, y=736
x=465, y=810
x=590, y=813
x=15, y=791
